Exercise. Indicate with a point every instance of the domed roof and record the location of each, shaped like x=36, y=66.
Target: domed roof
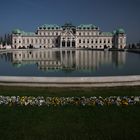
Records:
x=120, y=31
x=16, y=31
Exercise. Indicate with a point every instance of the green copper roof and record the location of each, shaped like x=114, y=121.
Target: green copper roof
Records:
x=120, y=31
x=87, y=26
x=18, y=31
x=27, y=33
x=106, y=33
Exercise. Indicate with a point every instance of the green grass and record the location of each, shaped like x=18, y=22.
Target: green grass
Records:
x=118, y=91
x=70, y=122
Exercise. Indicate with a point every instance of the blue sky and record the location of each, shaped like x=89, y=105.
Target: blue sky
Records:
x=107, y=14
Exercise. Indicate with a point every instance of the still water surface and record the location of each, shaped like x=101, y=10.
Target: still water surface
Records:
x=68, y=63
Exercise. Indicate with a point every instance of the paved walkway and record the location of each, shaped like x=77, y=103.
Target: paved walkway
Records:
x=70, y=81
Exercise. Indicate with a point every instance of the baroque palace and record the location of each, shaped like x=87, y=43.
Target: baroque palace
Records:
x=69, y=36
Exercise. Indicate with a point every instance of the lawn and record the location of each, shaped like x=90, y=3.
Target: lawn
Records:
x=70, y=122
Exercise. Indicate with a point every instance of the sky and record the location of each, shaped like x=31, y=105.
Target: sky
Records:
x=108, y=15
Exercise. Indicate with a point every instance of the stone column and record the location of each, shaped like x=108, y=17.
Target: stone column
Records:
x=71, y=43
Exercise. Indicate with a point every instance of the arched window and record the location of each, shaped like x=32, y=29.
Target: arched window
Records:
x=73, y=43
x=56, y=41
x=63, y=43
x=68, y=43
x=79, y=40
x=105, y=46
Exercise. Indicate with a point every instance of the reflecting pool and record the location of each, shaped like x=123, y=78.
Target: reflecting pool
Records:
x=68, y=63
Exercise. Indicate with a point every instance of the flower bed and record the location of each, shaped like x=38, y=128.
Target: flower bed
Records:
x=63, y=101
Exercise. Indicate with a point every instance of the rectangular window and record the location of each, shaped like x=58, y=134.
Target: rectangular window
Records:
x=121, y=41
x=15, y=41
x=36, y=41
x=27, y=41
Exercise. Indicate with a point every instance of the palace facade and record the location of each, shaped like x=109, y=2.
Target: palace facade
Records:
x=69, y=36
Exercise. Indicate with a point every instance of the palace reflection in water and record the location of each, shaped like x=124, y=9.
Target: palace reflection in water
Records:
x=67, y=59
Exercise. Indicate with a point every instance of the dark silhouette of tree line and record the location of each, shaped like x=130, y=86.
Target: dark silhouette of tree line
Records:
x=134, y=45
x=6, y=39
